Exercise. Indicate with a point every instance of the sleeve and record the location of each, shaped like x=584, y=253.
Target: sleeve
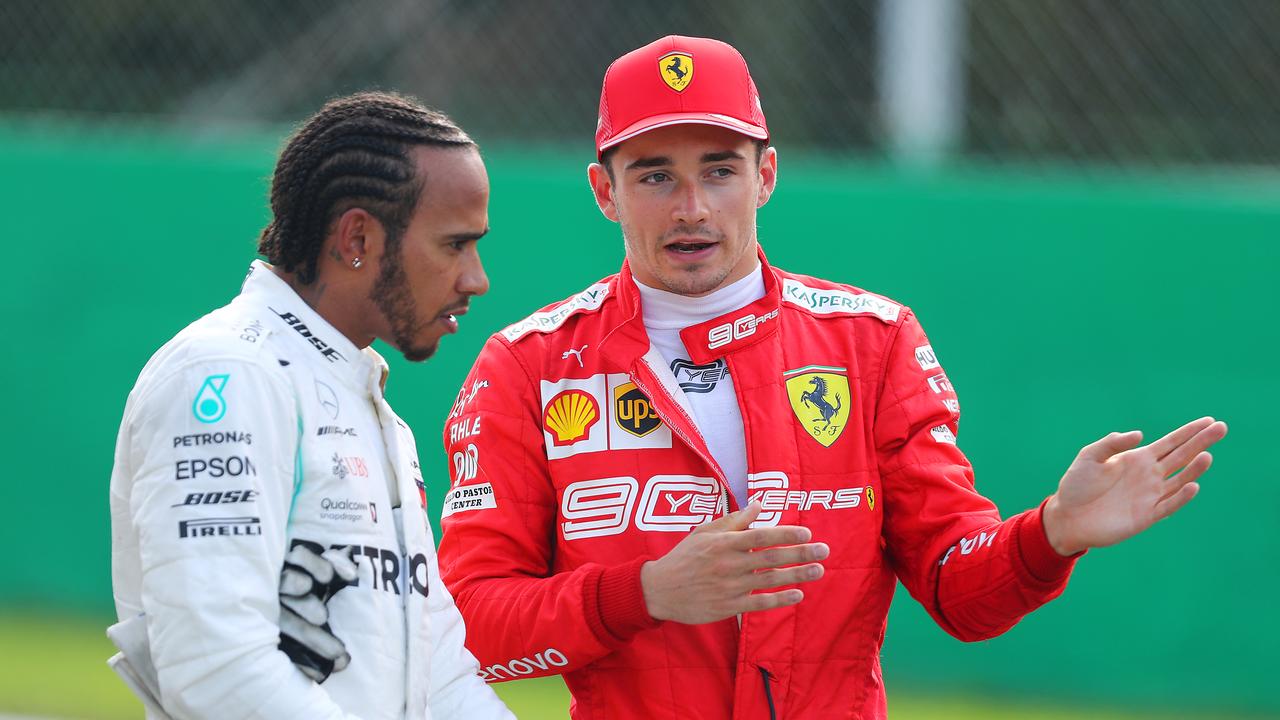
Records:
x=214, y=446
x=975, y=574
x=456, y=689
x=524, y=619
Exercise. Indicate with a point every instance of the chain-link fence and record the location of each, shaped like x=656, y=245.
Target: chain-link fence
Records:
x=1133, y=81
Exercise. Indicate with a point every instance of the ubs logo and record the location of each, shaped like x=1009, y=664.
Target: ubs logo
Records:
x=633, y=412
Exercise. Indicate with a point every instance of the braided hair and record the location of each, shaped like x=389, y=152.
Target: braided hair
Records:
x=353, y=153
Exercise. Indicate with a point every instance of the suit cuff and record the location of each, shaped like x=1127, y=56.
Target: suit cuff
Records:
x=619, y=603
x=1040, y=561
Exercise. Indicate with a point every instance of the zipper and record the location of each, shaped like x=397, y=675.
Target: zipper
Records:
x=768, y=693
x=726, y=497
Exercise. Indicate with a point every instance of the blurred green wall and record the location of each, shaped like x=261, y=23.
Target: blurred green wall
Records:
x=1062, y=305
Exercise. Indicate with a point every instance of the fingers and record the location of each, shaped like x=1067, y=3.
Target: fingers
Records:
x=1113, y=443
x=314, y=638
x=768, y=601
x=1170, y=442
x=786, y=576
x=308, y=607
x=739, y=520
x=1191, y=473
x=343, y=564
x=295, y=582
x=1192, y=446
x=307, y=559
x=1174, y=502
x=769, y=537
x=313, y=666
x=784, y=556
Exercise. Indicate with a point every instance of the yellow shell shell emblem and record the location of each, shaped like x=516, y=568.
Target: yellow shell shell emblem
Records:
x=676, y=70
x=820, y=399
x=569, y=416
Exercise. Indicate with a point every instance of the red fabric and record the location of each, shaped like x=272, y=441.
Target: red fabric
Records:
x=555, y=565
x=709, y=84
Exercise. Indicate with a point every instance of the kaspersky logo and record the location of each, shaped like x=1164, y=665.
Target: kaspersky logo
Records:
x=209, y=407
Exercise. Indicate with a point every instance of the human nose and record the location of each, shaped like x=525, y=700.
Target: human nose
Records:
x=473, y=280
x=691, y=205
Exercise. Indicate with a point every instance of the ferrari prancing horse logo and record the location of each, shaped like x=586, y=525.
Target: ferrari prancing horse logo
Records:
x=676, y=70
x=820, y=399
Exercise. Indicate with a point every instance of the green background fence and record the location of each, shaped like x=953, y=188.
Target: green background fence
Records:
x=1062, y=305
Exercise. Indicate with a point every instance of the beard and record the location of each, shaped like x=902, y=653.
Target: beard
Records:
x=690, y=280
x=391, y=295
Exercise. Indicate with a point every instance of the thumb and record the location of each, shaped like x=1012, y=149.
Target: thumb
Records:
x=740, y=520
x=1111, y=444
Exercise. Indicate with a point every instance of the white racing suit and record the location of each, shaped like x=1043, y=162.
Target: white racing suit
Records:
x=259, y=427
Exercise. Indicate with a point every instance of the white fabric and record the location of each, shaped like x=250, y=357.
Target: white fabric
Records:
x=709, y=390
x=257, y=427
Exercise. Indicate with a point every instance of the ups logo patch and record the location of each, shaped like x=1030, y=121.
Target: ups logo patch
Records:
x=633, y=412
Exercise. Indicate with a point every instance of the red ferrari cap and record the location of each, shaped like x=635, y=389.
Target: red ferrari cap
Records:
x=678, y=80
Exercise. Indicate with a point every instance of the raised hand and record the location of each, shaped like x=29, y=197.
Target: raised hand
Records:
x=1115, y=489
x=712, y=573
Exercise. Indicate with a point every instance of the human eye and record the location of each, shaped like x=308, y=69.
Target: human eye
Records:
x=721, y=172
x=655, y=178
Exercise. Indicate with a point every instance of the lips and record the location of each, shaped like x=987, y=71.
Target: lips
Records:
x=450, y=316
x=689, y=247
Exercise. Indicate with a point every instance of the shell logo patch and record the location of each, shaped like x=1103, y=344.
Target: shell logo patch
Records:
x=633, y=411
x=819, y=397
x=570, y=415
x=676, y=70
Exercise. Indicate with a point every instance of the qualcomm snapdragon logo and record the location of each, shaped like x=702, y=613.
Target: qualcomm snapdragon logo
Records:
x=209, y=407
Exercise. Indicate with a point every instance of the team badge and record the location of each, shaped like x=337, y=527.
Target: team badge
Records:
x=820, y=399
x=633, y=412
x=209, y=407
x=871, y=497
x=570, y=415
x=676, y=70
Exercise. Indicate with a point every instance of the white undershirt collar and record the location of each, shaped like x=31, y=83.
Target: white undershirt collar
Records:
x=665, y=310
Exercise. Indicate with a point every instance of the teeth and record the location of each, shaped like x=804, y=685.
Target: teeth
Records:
x=690, y=247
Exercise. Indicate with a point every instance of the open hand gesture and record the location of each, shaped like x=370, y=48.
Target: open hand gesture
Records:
x=1115, y=489
x=720, y=569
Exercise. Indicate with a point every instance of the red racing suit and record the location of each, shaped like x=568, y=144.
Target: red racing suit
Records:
x=574, y=459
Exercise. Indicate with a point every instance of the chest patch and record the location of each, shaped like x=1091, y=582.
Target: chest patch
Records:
x=819, y=397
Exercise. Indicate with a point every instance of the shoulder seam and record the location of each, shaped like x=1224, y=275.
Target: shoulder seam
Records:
x=841, y=301
x=550, y=319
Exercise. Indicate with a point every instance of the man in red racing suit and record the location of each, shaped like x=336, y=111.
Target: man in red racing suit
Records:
x=578, y=469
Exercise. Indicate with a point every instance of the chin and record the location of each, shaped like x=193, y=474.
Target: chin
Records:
x=697, y=282
x=420, y=353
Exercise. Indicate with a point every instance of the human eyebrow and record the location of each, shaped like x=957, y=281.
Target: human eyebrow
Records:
x=648, y=162
x=722, y=156
x=467, y=237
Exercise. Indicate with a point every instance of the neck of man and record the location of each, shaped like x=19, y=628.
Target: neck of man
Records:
x=334, y=304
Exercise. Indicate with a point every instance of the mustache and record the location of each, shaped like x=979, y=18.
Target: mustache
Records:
x=458, y=307
x=691, y=231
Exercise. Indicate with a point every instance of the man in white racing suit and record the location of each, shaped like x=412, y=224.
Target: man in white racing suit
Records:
x=259, y=438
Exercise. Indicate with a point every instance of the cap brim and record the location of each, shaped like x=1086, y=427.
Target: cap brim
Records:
x=659, y=121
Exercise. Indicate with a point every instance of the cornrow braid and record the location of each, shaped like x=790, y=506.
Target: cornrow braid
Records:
x=353, y=153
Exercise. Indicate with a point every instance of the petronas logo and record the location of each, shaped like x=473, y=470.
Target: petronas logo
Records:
x=209, y=407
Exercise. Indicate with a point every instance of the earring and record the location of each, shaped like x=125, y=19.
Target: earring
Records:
x=355, y=263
